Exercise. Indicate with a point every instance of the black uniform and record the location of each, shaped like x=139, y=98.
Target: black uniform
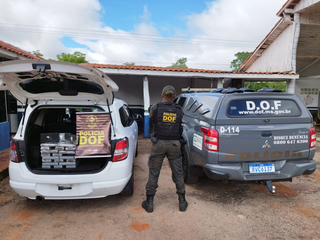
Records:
x=167, y=118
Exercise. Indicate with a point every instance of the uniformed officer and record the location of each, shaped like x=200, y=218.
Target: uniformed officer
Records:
x=166, y=117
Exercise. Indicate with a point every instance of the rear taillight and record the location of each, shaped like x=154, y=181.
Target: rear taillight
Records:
x=13, y=152
x=211, y=139
x=313, y=137
x=121, y=151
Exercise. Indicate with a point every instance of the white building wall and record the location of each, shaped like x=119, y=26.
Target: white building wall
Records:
x=308, y=90
x=304, y=4
x=131, y=87
x=278, y=56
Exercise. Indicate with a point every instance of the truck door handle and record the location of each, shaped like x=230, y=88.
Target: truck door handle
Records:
x=266, y=134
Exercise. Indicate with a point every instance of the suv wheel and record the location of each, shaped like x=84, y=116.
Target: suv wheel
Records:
x=188, y=177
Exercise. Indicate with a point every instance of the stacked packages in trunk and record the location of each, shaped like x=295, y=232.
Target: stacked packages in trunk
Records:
x=58, y=150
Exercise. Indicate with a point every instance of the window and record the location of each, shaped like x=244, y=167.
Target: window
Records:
x=180, y=101
x=62, y=85
x=261, y=107
x=197, y=106
x=126, y=116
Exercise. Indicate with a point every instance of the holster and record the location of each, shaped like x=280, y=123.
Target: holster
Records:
x=182, y=142
x=154, y=139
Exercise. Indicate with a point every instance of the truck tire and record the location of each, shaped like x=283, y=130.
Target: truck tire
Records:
x=189, y=178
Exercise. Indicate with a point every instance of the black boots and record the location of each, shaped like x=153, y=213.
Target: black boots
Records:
x=183, y=204
x=148, y=204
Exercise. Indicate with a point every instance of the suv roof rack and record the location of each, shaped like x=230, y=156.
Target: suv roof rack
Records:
x=218, y=90
x=247, y=89
x=265, y=89
x=232, y=90
x=196, y=90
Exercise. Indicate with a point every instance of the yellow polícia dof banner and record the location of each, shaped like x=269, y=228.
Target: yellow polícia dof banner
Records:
x=93, y=132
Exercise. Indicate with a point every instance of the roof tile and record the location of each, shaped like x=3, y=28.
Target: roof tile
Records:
x=168, y=69
x=18, y=51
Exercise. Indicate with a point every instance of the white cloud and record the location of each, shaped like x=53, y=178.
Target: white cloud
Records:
x=146, y=16
x=224, y=28
x=235, y=25
x=23, y=22
x=233, y=19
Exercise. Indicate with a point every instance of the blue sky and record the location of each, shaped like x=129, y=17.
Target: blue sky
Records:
x=155, y=33
x=168, y=17
x=164, y=14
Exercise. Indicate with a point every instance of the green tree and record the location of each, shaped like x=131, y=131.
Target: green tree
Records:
x=180, y=63
x=258, y=85
x=129, y=63
x=236, y=63
x=240, y=58
x=76, y=57
x=37, y=53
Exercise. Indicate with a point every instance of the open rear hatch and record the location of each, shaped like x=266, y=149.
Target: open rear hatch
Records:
x=36, y=80
x=53, y=140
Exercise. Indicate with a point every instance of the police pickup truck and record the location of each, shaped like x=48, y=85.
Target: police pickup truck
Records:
x=246, y=136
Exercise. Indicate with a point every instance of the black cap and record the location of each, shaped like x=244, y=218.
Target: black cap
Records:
x=169, y=91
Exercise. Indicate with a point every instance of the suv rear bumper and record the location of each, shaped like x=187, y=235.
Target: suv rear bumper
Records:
x=69, y=191
x=236, y=172
x=109, y=181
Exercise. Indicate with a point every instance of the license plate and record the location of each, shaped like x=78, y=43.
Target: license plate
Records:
x=262, y=168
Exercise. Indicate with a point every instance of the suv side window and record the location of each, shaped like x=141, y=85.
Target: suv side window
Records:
x=126, y=116
x=181, y=100
x=195, y=105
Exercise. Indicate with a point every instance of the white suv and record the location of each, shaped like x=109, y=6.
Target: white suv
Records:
x=75, y=139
